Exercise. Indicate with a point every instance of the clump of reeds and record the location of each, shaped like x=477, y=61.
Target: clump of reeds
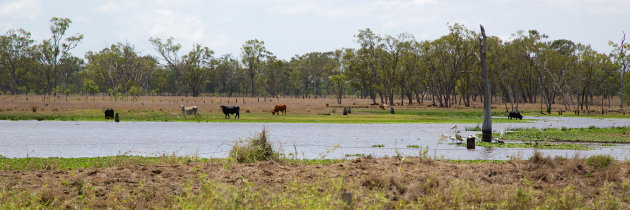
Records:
x=539, y=159
x=254, y=149
x=600, y=161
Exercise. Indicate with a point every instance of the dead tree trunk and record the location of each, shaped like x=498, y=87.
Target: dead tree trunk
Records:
x=486, y=127
x=623, y=70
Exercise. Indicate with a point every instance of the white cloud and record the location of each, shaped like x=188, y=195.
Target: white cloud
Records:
x=108, y=7
x=23, y=9
x=221, y=42
x=166, y=23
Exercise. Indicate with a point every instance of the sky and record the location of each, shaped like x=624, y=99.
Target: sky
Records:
x=296, y=27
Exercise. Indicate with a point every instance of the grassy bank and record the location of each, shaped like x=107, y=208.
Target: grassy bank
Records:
x=374, y=183
x=591, y=134
x=358, y=116
x=536, y=145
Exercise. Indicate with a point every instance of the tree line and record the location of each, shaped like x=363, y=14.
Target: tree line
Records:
x=530, y=68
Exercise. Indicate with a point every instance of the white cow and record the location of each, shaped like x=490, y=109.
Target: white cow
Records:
x=189, y=110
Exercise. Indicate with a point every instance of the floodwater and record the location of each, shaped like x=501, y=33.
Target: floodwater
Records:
x=303, y=140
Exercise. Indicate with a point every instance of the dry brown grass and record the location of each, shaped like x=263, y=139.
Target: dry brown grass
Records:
x=374, y=182
x=23, y=103
x=209, y=104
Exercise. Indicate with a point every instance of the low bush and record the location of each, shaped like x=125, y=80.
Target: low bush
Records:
x=254, y=149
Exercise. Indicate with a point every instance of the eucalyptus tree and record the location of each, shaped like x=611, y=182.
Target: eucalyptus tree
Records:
x=52, y=50
x=447, y=58
x=534, y=50
x=585, y=76
x=227, y=74
x=169, y=50
x=338, y=78
x=505, y=70
x=368, y=55
x=413, y=78
x=197, y=66
x=274, y=75
x=253, y=55
x=120, y=67
x=620, y=53
x=358, y=75
x=390, y=63
x=192, y=71
x=313, y=71
x=69, y=69
x=15, y=48
x=559, y=64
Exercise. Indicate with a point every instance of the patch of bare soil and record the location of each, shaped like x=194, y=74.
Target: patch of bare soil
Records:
x=406, y=180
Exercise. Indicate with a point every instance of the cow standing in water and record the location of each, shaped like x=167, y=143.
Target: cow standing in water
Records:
x=189, y=110
x=227, y=110
x=279, y=108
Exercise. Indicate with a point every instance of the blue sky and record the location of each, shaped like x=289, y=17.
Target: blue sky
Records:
x=290, y=27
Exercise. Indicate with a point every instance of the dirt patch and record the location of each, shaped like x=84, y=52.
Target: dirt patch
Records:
x=407, y=182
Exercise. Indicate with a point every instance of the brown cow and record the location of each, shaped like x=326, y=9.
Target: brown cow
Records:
x=383, y=106
x=279, y=108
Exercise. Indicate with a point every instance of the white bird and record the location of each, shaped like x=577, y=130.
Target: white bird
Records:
x=443, y=136
x=501, y=135
x=454, y=126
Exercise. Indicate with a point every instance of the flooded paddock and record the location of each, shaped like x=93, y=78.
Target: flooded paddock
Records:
x=305, y=140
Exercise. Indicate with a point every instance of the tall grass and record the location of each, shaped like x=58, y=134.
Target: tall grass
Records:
x=254, y=149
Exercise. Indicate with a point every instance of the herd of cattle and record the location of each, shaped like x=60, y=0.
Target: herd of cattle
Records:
x=280, y=108
x=193, y=110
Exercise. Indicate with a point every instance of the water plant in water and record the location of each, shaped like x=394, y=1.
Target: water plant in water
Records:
x=590, y=134
x=355, y=155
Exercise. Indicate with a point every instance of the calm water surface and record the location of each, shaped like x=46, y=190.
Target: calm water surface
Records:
x=307, y=140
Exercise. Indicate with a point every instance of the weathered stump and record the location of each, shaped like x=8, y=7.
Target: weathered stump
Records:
x=470, y=143
x=116, y=118
x=345, y=111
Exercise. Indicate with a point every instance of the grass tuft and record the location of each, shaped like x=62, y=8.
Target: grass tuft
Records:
x=255, y=149
x=600, y=161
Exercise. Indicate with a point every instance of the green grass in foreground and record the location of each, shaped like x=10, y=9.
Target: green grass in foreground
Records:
x=91, y=162
x=543, y=145
x=591, y=134
x=55, y=163
x=359, y=116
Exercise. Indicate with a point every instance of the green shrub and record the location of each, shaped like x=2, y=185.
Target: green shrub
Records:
x=255, y=149
x=600, y=161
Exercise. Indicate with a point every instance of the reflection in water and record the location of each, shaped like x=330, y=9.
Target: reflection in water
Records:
x=305, y=140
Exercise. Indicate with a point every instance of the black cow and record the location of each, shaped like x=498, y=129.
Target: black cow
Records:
x=109, y=113
x=227, y=110
x=515, y=115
